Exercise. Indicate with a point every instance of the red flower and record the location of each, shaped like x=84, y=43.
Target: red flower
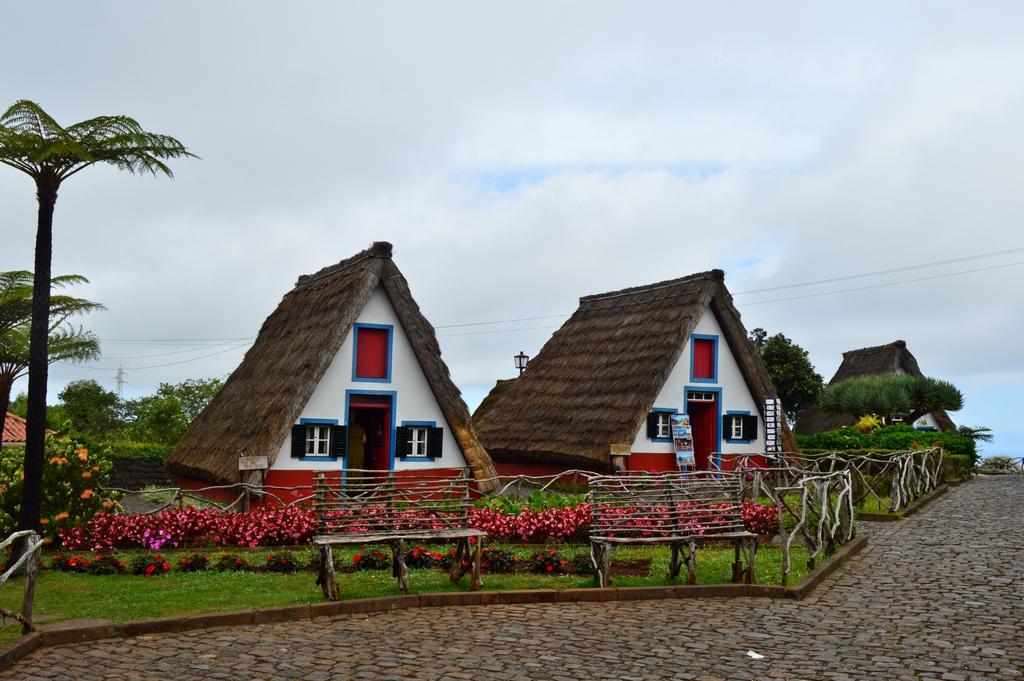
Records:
x=550, y=568
x=356, y=558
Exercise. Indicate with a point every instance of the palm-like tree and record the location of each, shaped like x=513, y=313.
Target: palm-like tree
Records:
x=891, y=395
x=65, y=342
x=34, y=143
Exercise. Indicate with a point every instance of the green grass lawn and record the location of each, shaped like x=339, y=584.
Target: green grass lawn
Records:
x=121, y=598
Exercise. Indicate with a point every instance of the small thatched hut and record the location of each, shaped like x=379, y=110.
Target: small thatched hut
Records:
x=601, y=392
x=345, y=373
x=893, y=358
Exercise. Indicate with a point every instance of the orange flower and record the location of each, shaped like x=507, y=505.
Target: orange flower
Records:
x=83, y=457
x=61, y=516
x=107, y=504
x=87, y=494
x=87, y=475
x=95, y=469
x=81, y=451
x=44, y=521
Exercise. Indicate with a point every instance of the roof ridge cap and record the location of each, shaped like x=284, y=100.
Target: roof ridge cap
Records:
x=712, y=275
x=379, y=249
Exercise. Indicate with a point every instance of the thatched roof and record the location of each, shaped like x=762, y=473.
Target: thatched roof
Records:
x=893, y=358
x=597, y=377
x=261, y=400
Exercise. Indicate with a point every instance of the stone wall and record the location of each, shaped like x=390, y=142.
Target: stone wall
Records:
x=137, y=473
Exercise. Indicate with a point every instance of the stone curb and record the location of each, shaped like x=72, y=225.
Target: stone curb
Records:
x=811, y=581
x=911, y=510
x=65, y=633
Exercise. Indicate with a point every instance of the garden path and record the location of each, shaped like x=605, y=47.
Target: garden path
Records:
x=939, y=595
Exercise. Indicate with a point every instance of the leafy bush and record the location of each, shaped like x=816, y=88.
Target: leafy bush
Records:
x=189, y=527
x=150, y=565
x=107, y=564
x=197, y=562
x=533, y=526
x=372, y=560
x=1000, y=463
x=71, y=475
x=139, y=451
x=956, y=467
x=537, y=501
x=281, y=562
x=420, y=557
x=69, y=563
x=760, y=519
x=228, y=563
x=897, y=437
x=496, y=559
x=547, y=563
x=582, y=564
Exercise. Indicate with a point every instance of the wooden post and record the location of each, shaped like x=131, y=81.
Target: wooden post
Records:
x=737, y=567
x=606, y=565
x=674, y=565
x=478, y=548
x=327, y=579
x=399, y=568
x=691, y=563
x=31, y=569
x=456, y=572
x=751, y=560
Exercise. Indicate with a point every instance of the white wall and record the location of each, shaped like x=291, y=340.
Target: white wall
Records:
x=415, y=401
x=735, y=394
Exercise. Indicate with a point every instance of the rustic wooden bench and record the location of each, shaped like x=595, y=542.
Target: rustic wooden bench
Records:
x=382, y=507
x=683, y=510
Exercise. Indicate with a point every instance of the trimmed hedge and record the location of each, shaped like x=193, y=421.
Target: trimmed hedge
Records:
x=897, y=437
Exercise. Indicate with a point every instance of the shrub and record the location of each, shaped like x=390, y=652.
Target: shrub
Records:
x=1000, y=463
x=582, y=564
x=547, y=562
x=281, y=562
x=189, y=527
x=537, y=501
x=760, y=519
x=228, y=563
x=420, y=557
x=69, y=563
x=897, y=437
x=107, y=564
x=71, y=476
x=197, y=562
x=956, y=467
x=371, y=560
x=150, y=565
x=533, y=526
x=497, y=559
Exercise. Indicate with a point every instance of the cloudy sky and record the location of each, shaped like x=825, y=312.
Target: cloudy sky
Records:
x=522, y=155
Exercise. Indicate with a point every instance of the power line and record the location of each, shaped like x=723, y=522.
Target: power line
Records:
x=891, y=283
x=879, y=272
x=167, y=364
x=175, y=352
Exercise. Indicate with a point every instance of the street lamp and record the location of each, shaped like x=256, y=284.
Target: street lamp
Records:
x=521, y=359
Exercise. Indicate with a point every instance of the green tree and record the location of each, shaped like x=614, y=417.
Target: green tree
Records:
x=891, y=395
x=799, y=386
x=90, y=409
x=978, y=433
x=32, y=142
x=66, y=343
x=164, y=417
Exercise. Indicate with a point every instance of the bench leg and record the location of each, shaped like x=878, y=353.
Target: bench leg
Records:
x=455, y=574
x=601, y=557
x=478, y=549
x=691, y=563
x=674, y=565
x=398, y=567
x=737, y=565
x=326, y=579
x=751, y=561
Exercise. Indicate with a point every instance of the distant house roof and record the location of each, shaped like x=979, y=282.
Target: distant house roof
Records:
x=594, y=381
x=893, y=358
x=255, y=410
x=14, y=430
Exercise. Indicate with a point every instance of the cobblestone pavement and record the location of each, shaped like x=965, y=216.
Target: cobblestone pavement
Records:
x=939, y=595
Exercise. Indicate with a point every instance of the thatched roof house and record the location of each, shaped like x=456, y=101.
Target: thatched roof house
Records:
x=346, y=345
x=606, y=380
x=893, y=358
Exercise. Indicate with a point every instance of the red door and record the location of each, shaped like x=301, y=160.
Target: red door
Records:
x=704, y=422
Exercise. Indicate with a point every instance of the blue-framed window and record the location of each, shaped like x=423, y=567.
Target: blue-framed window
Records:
x=386, y=378
x=734, y=428
x=418, y=441
x=712, y=340
x=660, y=425
x=318, y=436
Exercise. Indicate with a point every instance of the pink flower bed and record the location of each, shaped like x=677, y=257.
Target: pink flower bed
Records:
x=190, y=527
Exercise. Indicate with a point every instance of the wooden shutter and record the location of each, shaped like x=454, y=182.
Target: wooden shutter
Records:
x=703, y=358
x=298, y=440
x=339, y=441
x=652, y=425
x=750, y=427
x=435, y=438
x=402, y=446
